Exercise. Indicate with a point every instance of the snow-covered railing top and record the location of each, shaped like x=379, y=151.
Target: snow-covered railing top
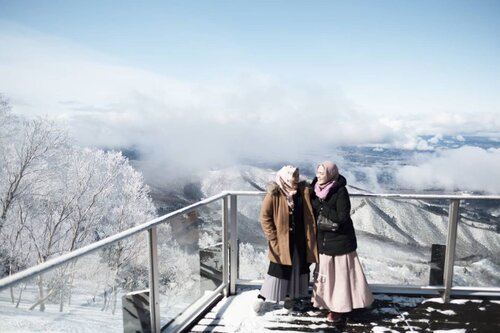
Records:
x=55, y=262
x=428, y=196
x=394, y=195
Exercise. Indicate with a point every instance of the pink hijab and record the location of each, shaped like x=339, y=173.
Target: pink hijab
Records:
x=332, y=174
x=284, y=179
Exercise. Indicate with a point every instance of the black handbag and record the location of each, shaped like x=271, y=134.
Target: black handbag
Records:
x=325, y=224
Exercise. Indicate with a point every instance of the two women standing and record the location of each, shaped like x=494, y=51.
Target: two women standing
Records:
x=288, y=216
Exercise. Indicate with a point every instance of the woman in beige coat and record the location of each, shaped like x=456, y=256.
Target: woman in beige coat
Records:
x=287, y=220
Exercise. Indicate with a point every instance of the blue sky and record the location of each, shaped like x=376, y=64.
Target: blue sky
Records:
x=350, y=42
x=378, y=52
x=124, y=73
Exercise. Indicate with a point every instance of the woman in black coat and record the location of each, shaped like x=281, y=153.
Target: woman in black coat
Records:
x=340, y=284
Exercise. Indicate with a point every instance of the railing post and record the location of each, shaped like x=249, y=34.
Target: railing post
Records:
x=154, y=281
x=451, y=242
x=225, y=245
x=234, y=243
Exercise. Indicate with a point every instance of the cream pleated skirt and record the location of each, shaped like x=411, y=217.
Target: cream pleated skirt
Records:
x=340, y=284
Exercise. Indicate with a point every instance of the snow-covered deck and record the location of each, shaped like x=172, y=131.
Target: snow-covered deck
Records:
x=389, y=313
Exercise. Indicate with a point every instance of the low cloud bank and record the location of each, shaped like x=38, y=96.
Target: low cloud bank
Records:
x=463, y=169
x=187, y=125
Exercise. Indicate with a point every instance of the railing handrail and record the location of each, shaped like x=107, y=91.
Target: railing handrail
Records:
x=52, y=263
x=396, y=195
x=60, y=260
x=64, y=258
x=427, y=196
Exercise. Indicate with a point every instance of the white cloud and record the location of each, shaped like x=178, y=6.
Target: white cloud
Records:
x=466, y=168
x=435, y=139
x=187, y=123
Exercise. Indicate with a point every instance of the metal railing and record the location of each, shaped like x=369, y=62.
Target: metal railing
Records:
x=151, y=228
x=444, y=291
x=230, y=254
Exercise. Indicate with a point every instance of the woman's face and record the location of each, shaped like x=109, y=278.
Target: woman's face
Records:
x=321, y=175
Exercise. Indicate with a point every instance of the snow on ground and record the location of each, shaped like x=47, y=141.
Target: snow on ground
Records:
x=380, y=329
x=434, y=300
x=445, y=312
x=237, y=315
x=459, y=301
x=84, y=314
x=453, y=301
x=80, y=317
x=90, y=310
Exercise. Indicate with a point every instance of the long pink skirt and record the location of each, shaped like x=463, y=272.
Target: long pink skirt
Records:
x=340, y=284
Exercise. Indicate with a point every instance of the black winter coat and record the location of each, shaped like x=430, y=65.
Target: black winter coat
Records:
x=336, y=207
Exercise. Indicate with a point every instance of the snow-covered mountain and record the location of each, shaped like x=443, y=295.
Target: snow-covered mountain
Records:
x=399, y=235
x=240, y=178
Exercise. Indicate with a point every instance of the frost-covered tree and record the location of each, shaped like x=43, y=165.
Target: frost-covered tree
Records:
x=27, y=149
x=96, y=194
x=5, y=117
x=56, y=197
x=252, y=262
x=179, y=269
x=129, y=204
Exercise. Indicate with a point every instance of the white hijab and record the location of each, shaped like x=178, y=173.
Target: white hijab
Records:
x=284, y=179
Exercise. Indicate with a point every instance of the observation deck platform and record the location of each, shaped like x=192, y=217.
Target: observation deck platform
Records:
x=388, y=313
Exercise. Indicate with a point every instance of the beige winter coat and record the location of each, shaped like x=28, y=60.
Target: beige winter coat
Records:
x=274, y=219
